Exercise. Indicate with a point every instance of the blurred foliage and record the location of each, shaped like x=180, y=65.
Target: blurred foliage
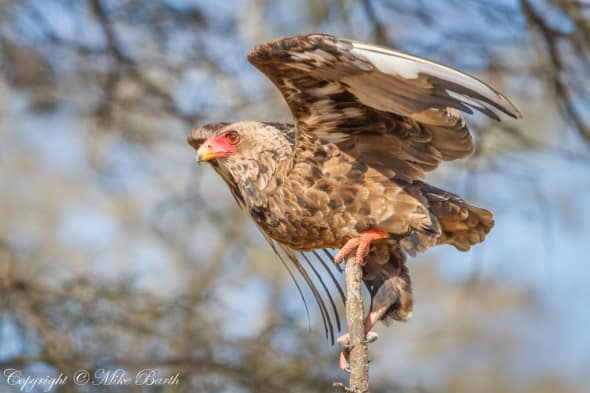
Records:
x=115, y=252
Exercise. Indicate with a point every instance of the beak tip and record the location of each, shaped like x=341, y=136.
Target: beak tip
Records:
x=201, y=155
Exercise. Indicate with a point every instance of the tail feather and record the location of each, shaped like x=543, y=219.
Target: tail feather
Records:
x=452, y=221
x=462, y=225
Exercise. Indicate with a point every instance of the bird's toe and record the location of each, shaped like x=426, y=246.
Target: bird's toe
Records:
x=372, y=337
x=344, y=340
x=343, y=360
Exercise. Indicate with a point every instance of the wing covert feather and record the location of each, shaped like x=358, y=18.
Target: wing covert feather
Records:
x=396, y=112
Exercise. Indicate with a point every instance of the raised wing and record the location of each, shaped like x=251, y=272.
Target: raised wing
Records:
x=396, y=112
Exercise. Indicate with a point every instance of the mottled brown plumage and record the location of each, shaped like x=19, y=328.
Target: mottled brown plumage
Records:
x=369, y=122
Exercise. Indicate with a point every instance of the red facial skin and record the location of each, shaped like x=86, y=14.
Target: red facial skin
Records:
x=219, y=146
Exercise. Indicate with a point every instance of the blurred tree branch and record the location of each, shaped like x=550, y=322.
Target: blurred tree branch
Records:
x=59, y=317
x=147, y=73
x=560, y=66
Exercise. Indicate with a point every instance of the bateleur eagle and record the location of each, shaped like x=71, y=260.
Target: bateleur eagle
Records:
x=369, y=122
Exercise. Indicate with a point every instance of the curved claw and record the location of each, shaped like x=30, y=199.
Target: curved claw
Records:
x=343, y=360
x=372, y=337
x=344, y=340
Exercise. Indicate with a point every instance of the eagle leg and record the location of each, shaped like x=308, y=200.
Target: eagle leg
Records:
x=343, y=360
x=344, y=340
x=361, y=242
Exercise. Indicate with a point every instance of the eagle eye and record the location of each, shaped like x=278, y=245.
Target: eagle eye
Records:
x=232, y=137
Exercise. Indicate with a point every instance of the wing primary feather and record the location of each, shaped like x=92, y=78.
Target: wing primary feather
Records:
x=326, y=290
x=407, y=66
x=364, y=97
x=334, y=280
x=328, y=326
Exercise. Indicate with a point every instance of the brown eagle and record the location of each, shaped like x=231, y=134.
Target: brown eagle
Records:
x=369, y=122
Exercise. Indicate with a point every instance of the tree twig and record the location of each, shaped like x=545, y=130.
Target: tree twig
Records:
x=358, y=360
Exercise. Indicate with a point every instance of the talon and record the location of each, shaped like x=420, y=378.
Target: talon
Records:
x=344, y=340
x=343, y=361
x=361, y=243
x=370, y=321
x=371, y=337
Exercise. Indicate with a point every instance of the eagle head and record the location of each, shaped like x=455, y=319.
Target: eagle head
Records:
x=221, y=143
x=213, y=141
x=243, y=153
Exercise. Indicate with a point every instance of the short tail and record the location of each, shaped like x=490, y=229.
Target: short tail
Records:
x=462, y=225
x=453, y=221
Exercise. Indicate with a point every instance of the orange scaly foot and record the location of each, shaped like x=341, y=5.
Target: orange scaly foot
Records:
x=361, y=242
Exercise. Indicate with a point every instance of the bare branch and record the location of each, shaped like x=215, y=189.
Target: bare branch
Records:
x=358, y=357
x=550, y=37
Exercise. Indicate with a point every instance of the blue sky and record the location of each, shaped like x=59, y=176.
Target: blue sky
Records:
x=539, y=244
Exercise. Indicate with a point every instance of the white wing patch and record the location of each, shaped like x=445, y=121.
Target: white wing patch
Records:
x=411, y=67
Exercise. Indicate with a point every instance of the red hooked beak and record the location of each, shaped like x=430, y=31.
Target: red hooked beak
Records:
x=215, y=147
